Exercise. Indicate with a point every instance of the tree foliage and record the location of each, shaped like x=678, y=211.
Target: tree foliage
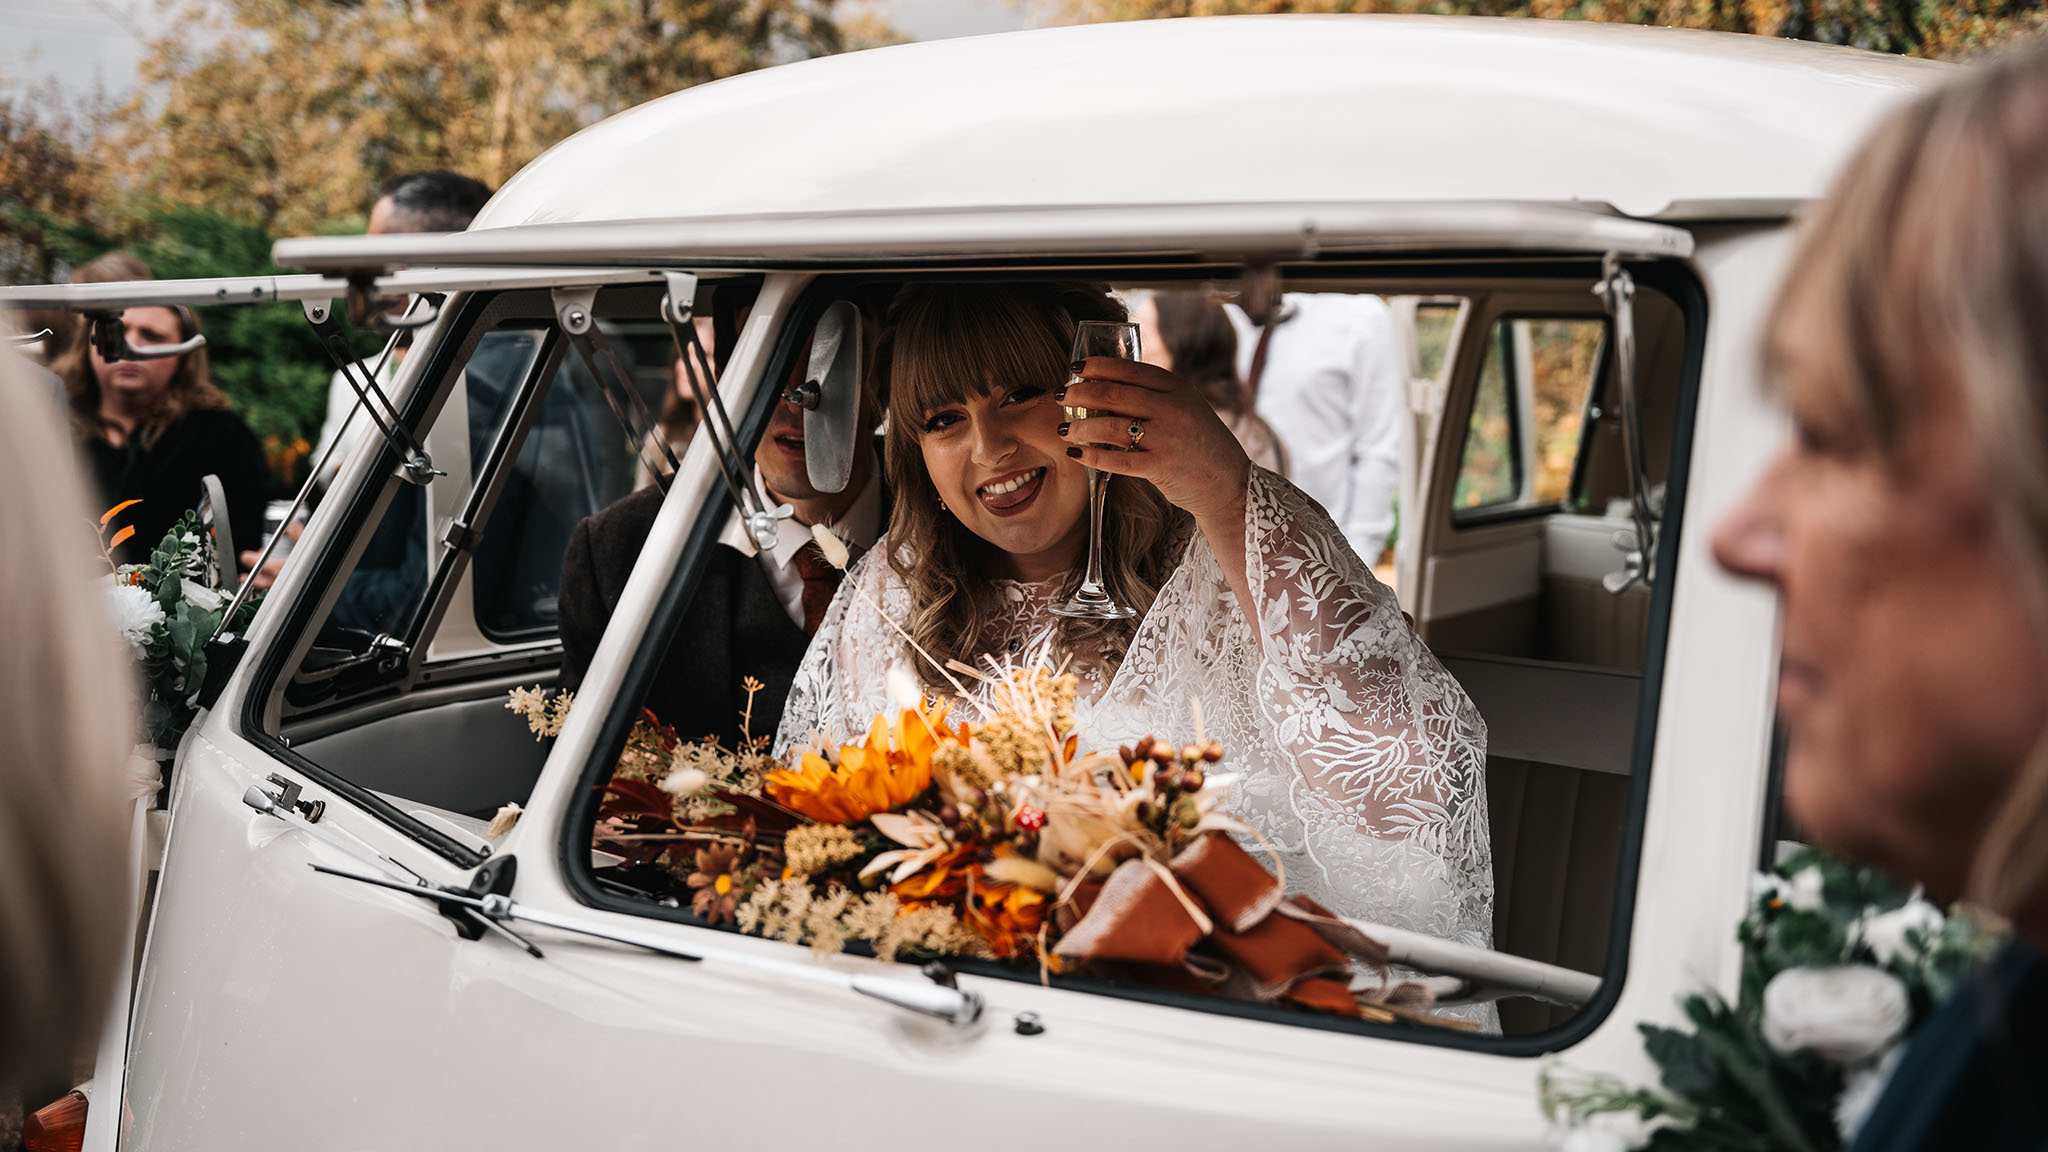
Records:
x=50, y=185
x=290, y=112
x=1938, y=28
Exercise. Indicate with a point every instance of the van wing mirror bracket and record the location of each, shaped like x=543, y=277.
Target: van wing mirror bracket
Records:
x=1617, y=289
x=830, y=398
x=759, y=515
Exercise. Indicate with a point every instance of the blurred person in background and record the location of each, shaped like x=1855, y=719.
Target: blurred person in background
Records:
x=67, y=708
x=393, y=567
x=150, y=429
x=679, y=411
x=1190, y=335
x=1327, y=373
x=1905, y=532
x=432, y=201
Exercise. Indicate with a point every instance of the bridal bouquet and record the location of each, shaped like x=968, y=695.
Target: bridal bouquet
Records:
x=166, y=615
x=1839, y=966
x=995, y=839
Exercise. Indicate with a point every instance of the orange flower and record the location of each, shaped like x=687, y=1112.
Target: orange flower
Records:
x=1006, y=915
x=891, y=769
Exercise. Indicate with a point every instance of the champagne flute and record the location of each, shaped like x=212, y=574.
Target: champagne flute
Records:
x=1093, y=601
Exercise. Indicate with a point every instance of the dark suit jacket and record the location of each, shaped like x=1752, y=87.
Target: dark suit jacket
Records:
x=734, y=627
x=165, y=477
x=1976, y=1075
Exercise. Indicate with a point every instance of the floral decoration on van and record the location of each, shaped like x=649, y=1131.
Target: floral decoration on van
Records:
x=166, y=615
x=995, y=839
x=1839, y=965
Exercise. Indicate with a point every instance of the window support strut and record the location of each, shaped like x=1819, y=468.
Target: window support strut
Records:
x=755, y=510
x=576, y=314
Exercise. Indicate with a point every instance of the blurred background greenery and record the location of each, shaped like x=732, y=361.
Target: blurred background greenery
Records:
x=252, y=119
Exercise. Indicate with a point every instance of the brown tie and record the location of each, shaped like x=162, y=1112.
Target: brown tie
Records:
x=821, y=580
x=1251, y=382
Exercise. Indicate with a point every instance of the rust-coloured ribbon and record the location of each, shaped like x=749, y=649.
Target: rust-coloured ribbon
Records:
x=1261, y=943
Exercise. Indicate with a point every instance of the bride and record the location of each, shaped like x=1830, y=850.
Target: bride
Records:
x=1361, y=760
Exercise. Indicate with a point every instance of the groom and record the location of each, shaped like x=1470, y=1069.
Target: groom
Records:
x=752, y=614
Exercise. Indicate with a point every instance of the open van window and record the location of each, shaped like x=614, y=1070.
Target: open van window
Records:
x=1563, y=796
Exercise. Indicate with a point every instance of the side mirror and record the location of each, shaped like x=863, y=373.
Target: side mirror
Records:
x=216, y=538
x=830, y=398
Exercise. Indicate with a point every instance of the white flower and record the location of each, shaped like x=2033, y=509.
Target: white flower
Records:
x=905, y=693
x=1846, y=1013
x=1764, y=885
x=832, y=546
x=686, y=782
x=1804, y=892
x=200, y=595
x=135, y=612
x=1860, y=1090
x=1902, y=932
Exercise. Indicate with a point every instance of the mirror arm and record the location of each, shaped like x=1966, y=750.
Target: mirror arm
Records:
x=1617, y=289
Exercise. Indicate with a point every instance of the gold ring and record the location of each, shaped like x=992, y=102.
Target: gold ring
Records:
x=1136, y=432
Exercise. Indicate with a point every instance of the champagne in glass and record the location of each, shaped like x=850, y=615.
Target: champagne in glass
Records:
x=1093, y=601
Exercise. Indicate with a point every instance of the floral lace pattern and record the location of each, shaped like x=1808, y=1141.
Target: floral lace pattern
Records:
x=1361, y=761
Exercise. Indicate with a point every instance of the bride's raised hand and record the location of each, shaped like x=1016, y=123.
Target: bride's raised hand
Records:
x=1149, y=423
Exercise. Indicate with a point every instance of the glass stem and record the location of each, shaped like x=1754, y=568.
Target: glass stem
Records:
x=1098, y=485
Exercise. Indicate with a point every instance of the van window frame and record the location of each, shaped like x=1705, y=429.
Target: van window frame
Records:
x=1670, y=277
x=1511, y=510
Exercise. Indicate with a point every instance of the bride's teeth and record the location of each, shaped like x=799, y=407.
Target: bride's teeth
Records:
x=1011, y=485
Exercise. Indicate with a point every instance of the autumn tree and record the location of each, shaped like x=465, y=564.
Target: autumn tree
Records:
x=288, y=113
x=51, y=185
x=1941, y=28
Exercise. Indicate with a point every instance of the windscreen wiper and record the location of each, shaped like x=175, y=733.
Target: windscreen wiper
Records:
x=939, y=999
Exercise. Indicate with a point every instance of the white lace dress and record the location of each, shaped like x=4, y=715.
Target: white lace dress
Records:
x=1360, y=759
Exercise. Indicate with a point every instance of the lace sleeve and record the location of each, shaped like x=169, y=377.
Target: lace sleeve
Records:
x=1389, y=753
x=843, y=680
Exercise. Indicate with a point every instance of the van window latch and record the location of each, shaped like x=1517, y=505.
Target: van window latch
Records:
x=488, y=896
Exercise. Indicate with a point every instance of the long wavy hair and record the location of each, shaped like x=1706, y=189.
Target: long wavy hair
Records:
x=949, y=341
x=191, y=389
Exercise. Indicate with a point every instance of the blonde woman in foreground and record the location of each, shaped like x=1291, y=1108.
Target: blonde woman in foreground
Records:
x=67, y=725
x=1905, y=531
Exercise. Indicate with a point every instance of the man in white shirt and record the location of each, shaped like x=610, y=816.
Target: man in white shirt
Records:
x=1329, y=379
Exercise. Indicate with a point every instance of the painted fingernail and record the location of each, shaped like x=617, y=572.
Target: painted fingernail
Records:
x=1076, y=365
x=1059, y=394
x=1063, y=427
x=1074, y=452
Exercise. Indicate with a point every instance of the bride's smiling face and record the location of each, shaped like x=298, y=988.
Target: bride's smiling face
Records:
x=998, y=462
